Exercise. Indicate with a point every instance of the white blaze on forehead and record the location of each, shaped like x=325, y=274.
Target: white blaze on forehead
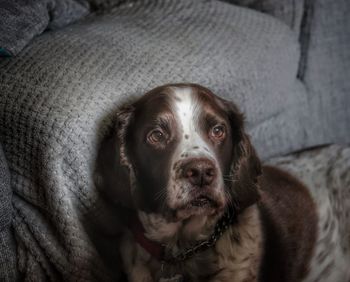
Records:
x=188, y=109
x=193, y=143
x=185, y=108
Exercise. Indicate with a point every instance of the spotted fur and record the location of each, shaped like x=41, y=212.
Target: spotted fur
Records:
x=326, y=170
x=178, y=177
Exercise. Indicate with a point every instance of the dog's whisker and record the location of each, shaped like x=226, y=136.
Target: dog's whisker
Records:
x=230, y=180
x=230, y=201
x=163, y=205
x=160, y=194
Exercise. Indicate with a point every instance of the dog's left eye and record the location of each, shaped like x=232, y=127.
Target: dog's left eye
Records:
x=218, y=132
x=156, y=136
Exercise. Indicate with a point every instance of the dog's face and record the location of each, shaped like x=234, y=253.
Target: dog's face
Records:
x=187, y=152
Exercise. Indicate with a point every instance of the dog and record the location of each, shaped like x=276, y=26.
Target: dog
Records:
x=196, y=203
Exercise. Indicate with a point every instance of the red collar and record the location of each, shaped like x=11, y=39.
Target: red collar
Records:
x=153, y=248
x=157, y=250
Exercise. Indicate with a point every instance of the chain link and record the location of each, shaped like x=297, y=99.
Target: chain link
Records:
x=223, y=224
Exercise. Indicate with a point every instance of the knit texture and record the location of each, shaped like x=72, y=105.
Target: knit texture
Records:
x=8, y=263
x=323, y=29
x=288, y=11
x=327, y=73
x=59, y=96
x=5, y=193
x=21, y=20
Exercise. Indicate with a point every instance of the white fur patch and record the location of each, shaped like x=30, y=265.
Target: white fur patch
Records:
x=237, y=262
x=187, y=110
x=157, y=228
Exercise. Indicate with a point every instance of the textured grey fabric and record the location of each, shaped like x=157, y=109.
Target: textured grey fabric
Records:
x=8, y=263
x=99, y=5
x=327, y=72
x=5, y=193
x=326, y=172
x=324, y=32
x=21, y=20
x=8, y=256
x=288, y=11
x=57, y=94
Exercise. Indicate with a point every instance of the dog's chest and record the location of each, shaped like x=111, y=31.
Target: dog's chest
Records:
x=231, y=259
x=227, y=261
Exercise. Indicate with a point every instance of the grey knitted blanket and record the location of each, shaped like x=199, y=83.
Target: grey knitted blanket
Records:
x=21, y=20
x=59, y=95
x=8, y=270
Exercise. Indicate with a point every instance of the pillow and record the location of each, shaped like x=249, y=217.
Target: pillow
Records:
x=290, y=12
x=322, y=27
x=326, y=73
x=21, y=20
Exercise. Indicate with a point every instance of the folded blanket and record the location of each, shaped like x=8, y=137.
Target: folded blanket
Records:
x=21, y=20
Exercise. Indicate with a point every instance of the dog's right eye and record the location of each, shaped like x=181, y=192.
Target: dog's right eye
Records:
x=156, y=136
x=218, y=132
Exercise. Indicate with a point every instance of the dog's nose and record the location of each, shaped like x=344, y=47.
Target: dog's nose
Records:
x=199, y=172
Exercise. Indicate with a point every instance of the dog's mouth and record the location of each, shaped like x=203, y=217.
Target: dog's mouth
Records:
x=203, y=202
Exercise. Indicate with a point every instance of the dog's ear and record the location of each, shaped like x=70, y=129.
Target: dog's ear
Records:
x=114, y=176
x=246, y=166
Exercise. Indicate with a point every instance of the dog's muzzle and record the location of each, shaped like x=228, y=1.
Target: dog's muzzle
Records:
x=199, y=172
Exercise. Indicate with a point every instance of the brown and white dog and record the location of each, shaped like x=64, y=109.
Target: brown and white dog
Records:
x=199, y=205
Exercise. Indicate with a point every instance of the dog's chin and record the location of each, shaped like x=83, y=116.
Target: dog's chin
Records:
x=199, y=206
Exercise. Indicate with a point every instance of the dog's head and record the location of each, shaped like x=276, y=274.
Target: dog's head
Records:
x=182, y=152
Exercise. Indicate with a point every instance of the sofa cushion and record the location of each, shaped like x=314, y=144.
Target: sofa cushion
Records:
x=290, y=12
x=240, y=54
x=326, y=73
x=21, y=20
x=59, y=95
x=323, y=31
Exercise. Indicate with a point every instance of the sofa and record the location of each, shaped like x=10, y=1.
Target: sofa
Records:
x=68, y=66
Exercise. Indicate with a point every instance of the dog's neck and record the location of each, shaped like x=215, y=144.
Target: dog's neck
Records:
x=195, y=228
x=241, y=241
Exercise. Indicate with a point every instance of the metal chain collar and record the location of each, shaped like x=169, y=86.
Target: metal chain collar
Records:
x=222, y=225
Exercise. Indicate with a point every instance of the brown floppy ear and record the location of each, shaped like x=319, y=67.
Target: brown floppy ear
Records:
x=114, y=175
x=246, y=166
